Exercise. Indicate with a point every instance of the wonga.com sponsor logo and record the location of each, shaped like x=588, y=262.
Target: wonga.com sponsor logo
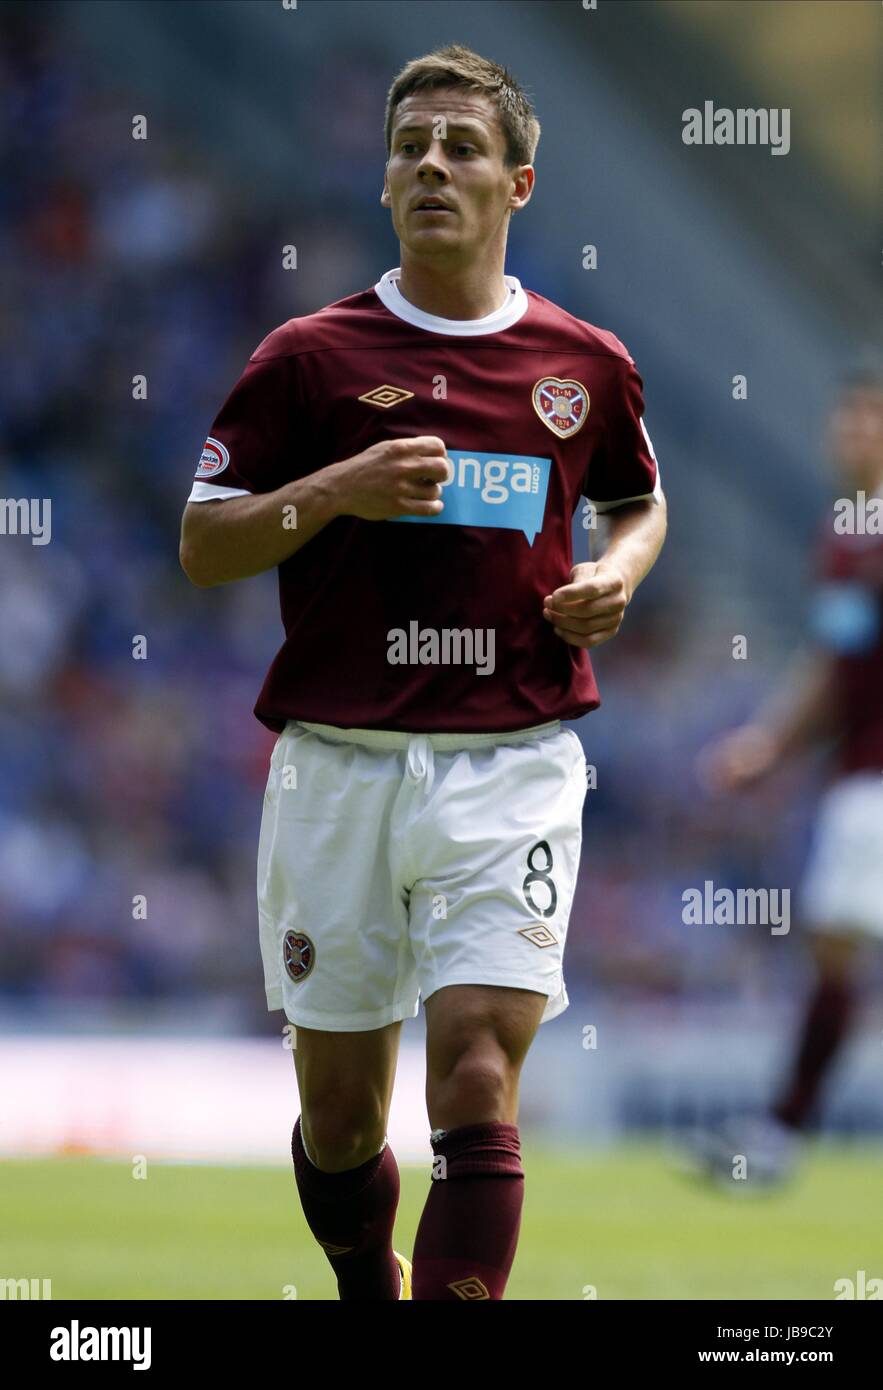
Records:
x=500, y=490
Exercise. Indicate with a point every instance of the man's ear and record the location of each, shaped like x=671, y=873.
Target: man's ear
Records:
x=524, y=188
x=384, y=197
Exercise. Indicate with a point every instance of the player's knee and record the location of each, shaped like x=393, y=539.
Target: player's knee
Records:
x=474, y=1086
x=341, y=1137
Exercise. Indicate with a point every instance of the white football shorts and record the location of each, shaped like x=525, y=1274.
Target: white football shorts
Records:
x=393, y=864
x=842, y=888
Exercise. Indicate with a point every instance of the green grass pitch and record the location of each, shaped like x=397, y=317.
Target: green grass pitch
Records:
x=622, y=1220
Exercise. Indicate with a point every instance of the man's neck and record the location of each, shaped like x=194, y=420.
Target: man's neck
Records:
x=472, y=292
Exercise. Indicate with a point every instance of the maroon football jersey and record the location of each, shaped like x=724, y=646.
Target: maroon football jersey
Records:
x=435, y=624
x=848, y=622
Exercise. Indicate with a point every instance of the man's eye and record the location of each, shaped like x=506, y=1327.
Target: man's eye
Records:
x=470, y=149
x=407, y=145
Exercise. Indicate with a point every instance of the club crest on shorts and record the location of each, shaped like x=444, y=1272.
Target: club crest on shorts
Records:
x=562, y=405
x=299, y=954
x=214, y=459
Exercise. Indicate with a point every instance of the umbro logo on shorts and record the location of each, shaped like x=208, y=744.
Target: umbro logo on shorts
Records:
x=539, y=934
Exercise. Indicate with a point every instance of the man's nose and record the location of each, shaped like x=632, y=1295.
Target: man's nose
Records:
x=434, y=159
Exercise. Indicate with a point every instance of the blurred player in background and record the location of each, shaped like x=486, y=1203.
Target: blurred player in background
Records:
x=429, y=842
x=834, y=697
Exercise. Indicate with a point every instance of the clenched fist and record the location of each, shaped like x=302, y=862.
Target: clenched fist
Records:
x=398, y=477
x=589, y=610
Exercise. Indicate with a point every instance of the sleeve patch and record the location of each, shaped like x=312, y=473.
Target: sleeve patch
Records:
x=214, y=459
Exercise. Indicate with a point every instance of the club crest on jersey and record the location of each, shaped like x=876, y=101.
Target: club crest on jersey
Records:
x=214, y=459
x=299, y=954
x=562, y=405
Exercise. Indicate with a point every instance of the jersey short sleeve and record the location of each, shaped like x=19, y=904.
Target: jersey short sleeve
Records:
x=846, y=596
x=251, y=444
x=623, y=466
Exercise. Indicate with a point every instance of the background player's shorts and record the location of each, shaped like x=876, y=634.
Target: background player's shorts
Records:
x=842, y=888
x=393, y=864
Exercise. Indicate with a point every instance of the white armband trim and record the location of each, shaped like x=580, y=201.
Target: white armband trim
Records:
x=205, y=492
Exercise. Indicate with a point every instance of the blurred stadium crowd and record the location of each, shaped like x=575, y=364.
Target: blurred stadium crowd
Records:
x=125, y=777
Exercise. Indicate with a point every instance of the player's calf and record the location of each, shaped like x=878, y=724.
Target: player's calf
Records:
x=351, y=1214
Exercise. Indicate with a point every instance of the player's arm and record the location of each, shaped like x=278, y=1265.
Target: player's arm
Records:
x=623, y=485
x=234, y=538
x=802, y=712
x=589, y=609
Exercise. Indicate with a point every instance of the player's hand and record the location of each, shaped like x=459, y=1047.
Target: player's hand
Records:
x=398, y=477
x=739, y=759
x=589, y=610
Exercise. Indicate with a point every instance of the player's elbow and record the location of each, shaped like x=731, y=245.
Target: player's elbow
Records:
x=199, y=567
x=190, y=564
x=195, y=560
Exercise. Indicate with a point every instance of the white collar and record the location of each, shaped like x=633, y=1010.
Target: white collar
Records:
x=514, y=308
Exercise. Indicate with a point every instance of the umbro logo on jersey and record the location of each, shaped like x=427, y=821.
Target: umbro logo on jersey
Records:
x=562, y=405
x=385, y=396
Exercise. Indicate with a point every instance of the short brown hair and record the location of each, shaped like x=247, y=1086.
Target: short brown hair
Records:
x=457, y=66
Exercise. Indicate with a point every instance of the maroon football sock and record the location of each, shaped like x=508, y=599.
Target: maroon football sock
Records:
x=352, y=1214
x=825, y=1026
x=468, y=1232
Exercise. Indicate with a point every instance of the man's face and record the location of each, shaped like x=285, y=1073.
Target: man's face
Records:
x=856, y=436
x=447, y=144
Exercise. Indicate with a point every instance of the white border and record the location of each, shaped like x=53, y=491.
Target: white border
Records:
x=206, y=492
x=514, y=308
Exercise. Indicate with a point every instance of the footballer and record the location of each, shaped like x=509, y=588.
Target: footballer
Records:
x=411, y=459
x=832, y=700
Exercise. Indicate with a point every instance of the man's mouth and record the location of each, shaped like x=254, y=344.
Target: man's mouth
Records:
x=432, y=205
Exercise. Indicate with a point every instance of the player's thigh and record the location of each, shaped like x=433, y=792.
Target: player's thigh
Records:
x=345, y=1083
